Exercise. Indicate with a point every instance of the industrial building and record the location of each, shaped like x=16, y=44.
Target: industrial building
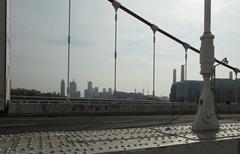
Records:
x=226, y=91
x=185, y=91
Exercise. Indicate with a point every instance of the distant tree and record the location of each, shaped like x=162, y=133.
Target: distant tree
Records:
x=32, y=92
x=25, y=92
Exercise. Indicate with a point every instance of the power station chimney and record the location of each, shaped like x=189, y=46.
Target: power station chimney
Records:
x=231, y=75
x=182, y=73
x=174, y=76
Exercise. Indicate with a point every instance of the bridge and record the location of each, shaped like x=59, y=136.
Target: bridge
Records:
x=202, y=134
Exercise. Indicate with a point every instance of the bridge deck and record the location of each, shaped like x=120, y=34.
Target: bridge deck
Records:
x=135, y=140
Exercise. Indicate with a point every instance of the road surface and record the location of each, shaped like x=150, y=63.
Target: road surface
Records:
x=10, y=125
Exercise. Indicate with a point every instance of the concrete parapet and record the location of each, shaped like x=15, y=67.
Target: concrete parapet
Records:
x=88, y=108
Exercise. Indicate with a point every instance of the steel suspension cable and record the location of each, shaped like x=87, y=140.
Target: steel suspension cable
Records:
x=185, y=74
x=236, y=88
x=115, y=55
x=167, y=34
x=154, y=29
x=116, y=5
x=69, y=45
x=185, y=46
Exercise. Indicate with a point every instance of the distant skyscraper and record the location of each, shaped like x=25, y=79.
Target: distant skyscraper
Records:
x=174, y=76
x=78, y=94
x=110, y=91
x=95, y=92
x=85, y=93
x=73, y=88
x=231, y=75
x=104, y=92
x=182, y=73
x=90, y=89
x=62, y=89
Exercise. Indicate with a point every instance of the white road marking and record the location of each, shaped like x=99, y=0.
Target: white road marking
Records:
x=18, y=124
x=116, y=121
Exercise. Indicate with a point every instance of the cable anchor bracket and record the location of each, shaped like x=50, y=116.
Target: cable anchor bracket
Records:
x=116, y=5
x=236, y=71
x=186, y=46
x=154, y=29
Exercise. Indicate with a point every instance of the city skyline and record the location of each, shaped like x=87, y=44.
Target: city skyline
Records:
x=40, y=34
x=91, y=91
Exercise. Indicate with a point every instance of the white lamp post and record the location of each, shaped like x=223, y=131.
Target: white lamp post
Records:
x=206, y=118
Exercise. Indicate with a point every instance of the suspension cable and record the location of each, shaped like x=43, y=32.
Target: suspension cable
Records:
x=116, y=5
x=69, y=45
x=186, y=47
x=167, y=34
x=236, y=87
x=154, y=29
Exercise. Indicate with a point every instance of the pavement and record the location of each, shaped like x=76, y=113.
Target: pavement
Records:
x=115, y=134
x=12, y=125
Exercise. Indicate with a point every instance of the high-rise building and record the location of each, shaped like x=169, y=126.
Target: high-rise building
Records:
x=77, y=94
x=90, y=89
x=110, y=91
x=85, y=93
x=73, y=88
x=174, y=76
x=95, y=92
x=62, y=88
x=104, y=93
x=182, y=73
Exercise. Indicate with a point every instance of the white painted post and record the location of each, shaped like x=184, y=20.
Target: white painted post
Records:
x=206, y=118
x=5, y=44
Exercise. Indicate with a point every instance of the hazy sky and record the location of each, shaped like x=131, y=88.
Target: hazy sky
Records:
x=39, y=44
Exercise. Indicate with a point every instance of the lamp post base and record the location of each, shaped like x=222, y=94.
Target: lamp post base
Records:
x=206, y=118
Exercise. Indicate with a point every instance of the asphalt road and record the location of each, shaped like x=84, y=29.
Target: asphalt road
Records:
x=9, y=125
